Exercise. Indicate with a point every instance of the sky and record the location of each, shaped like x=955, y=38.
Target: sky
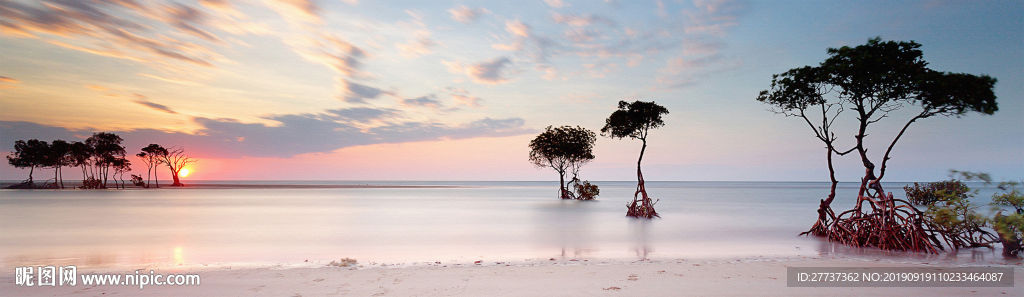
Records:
x=455, y=90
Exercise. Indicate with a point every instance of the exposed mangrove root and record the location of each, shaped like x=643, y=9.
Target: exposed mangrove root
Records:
x=642, y=206
x=887, y=223
x=825, y=218
x=881, y=221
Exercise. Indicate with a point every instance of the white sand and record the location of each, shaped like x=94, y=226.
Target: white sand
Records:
x=537, y=278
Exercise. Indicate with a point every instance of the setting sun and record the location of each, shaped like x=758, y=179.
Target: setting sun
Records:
x=183, y=173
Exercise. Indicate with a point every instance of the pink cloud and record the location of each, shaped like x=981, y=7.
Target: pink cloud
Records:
x=421, y=46
x=9, y=80
x=517, y=28
x=488, y=72
x=296, y=10
x=556, y=3
x=465, y=14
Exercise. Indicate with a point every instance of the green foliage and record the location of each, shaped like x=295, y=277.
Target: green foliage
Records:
x=873, y=81
x=1011, y=196
x=881, y=76
x=1011, y=231
x=957, y=93
x=633, y=120
x=955, y=217
x=971, y=176
x=562, y=149
x=1010, y=227
x=796, y=89
x=564, y=144
x=879, y=72
x=929, y=193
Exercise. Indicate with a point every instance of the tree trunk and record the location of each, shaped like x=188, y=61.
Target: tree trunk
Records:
x=825, y=214
x=103, y=172
x=642, y=206
x=561, y=185
x=177, y=182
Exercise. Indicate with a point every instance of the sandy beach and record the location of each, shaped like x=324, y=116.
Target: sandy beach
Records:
x=719, y=277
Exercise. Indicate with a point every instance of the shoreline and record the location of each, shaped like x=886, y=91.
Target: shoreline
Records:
x=679, y=277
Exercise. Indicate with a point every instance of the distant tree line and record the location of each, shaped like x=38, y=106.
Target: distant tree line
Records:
x=101, y=157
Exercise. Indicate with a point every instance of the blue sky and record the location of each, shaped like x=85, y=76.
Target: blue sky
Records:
x=426, y=90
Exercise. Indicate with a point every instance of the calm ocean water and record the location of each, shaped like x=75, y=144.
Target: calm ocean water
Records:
x=450, y=221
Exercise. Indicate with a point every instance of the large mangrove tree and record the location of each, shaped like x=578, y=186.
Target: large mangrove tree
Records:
x=878, y=81
x=634, y=120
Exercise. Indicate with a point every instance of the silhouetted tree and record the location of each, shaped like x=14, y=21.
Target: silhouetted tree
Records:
x=176, y=160
x=80, y=155
x=563, y=148
x=137, y=181
x=874, y=80
x=106, y=152
x=151, y=155
x=121, y=166
x=28, y=154
x=634, y=120
x=57, y=158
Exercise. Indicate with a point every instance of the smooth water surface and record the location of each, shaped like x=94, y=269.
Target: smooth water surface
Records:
x=444, y=221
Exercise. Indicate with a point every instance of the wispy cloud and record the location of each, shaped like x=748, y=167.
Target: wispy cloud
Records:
x=487, y=72
x=5, y=81
x=97, y=88
x=358, y=93
x=185, y=18
x=422, y=45
x=9, y=79
x=331, y=51
x=294, y=135
x=463, y=97
x=702, y=49
x=524, y=41
x=297, y=10
x=713, y=17
x=158, y=35
x=422, y=101
x=518, y=28
x=581, y=20
x=171, y=80
x=465, y=14
x=363, y=114
x=556, y=3
x=144, y=101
